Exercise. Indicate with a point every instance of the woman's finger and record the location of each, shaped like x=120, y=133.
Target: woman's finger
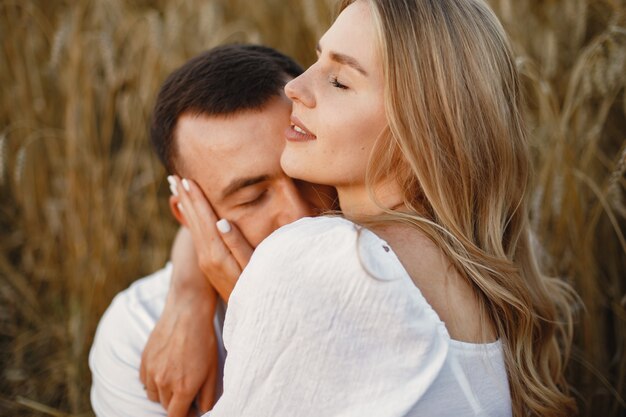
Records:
x=235, y=241
x=180, y=405
x=205, y=400
x=214, y=258
x=231, y=236
x=165, y=395
x=201, y=218
x=151, y=390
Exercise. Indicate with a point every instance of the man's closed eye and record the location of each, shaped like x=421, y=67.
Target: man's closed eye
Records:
x=258, y=199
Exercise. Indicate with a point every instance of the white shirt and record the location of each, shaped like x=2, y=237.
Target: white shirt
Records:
x=325, y=321
x=122, y=334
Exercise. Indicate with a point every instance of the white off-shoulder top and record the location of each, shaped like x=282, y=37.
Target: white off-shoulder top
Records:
x=325, y=321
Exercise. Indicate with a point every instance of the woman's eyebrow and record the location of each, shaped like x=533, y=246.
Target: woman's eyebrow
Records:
x=344, y=60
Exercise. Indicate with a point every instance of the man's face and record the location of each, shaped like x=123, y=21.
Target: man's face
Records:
x=235, y=159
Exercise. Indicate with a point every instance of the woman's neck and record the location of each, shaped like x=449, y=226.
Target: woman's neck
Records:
x=355, y=200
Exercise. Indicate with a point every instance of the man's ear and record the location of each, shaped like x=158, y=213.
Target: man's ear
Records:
x=174, y=200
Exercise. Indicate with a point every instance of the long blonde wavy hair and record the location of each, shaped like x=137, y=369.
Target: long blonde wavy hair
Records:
x=457, y=145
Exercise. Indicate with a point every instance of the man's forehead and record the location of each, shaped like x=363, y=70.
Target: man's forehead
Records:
x=227, y=133
x=219, y=152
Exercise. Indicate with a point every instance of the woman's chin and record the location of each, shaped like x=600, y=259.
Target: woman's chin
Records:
x=294, y=166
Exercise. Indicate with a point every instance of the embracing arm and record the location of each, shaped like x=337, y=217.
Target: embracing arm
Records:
x=180, y=360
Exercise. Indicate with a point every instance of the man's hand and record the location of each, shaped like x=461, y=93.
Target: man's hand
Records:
x=222, y=254
x=180, y=361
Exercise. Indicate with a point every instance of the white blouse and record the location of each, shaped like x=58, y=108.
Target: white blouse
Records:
x=325, y=321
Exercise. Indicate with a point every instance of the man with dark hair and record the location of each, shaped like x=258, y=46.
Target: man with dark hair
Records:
x=219, y=120
x=223, y=81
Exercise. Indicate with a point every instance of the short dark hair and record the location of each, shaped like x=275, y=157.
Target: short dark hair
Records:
x=221, y=81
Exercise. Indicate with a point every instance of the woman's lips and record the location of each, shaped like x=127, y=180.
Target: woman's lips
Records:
x=297, y=132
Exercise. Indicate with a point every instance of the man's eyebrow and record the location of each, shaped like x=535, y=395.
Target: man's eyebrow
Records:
x=239, y=183
x=344, y=60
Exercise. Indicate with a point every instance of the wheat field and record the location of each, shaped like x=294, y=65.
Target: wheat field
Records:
x=83, y=199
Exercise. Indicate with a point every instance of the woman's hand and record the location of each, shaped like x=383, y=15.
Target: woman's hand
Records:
x=223, y=252
x=180, y=361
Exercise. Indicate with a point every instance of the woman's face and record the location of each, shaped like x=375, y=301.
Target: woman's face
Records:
x=338, y=105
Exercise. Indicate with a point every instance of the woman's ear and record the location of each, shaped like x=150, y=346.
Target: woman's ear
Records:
x=174, y=201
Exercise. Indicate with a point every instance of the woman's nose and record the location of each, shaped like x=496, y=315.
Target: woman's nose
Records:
x=299, y=90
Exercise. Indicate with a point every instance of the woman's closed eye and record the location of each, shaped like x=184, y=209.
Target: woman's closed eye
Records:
x=335, y=83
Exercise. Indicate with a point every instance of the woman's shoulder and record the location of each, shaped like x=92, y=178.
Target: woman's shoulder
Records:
x=331, y=240
x=308, y=231
x=317, y=261
x=307, y=264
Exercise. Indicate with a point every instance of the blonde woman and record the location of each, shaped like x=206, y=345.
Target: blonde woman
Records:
x=424, y=297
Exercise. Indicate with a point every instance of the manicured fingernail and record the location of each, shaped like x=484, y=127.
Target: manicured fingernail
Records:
x=223, y=226
x=171, y=180
x=186, y=185
x=180, y=207
x=173, y=189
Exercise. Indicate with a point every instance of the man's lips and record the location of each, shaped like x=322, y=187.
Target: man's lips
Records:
x=297, y=132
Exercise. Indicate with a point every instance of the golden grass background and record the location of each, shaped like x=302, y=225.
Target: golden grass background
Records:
x=83, y=199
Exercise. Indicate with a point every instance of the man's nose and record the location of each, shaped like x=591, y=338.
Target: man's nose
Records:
x=293, y=205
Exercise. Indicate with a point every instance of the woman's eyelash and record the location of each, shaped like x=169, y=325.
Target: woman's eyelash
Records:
x=335, y=83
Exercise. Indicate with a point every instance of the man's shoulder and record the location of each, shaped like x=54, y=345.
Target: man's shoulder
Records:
x=149, y=289
x=134, y=311
x=115, y=354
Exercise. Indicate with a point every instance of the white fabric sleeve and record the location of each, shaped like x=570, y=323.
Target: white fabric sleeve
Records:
x=115, y=356
x=325, y=321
